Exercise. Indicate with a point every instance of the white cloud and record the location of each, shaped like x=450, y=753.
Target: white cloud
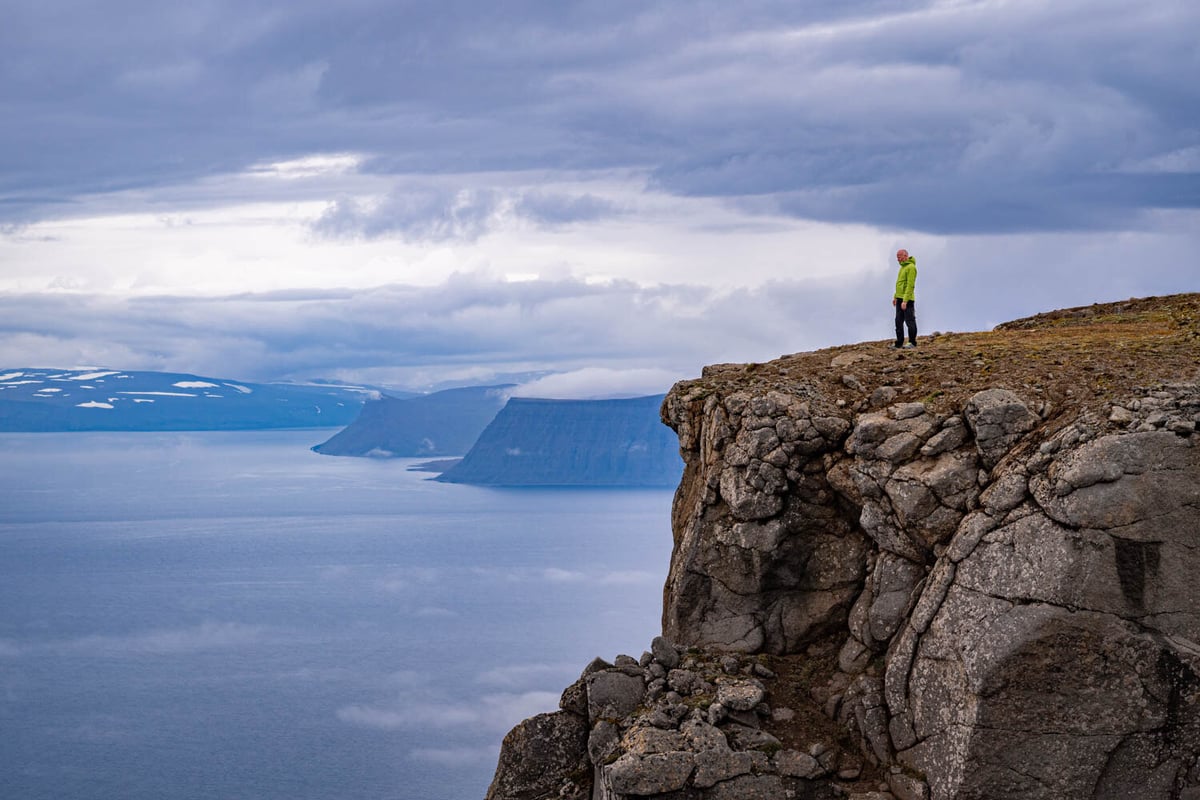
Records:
x=318, y=164
x=1183, y=160
x=369, y=717
x=629, y=577
x=495, y=712
x=455, y=756
x=599, y=382
x=238, y=236
x=520, y=676
x=600, y=336
x=556, y=575
x=728, y=185
x=199, y=638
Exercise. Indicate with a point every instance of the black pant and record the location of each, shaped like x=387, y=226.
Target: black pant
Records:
x=906, y=316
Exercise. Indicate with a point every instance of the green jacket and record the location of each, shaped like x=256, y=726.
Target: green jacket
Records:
x=906, y=281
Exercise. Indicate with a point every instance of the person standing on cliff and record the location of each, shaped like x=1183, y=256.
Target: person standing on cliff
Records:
x=904, y=299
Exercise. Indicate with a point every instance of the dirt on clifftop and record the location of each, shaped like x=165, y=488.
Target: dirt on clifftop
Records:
x=1070, y=359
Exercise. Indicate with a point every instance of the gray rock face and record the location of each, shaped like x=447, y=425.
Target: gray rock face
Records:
x=544, y=757
x=1011, y=599
x=613, y=693
x=664, y=653
x=763, y=560
x=1061, y=656
x=641, y=775
x=998, y=418
x=666, y=747
x=740, y=696
x=1021, y=614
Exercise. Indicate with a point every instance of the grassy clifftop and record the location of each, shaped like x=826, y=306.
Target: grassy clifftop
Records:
x=1069, y=358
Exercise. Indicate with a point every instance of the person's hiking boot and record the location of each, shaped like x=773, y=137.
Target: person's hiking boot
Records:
x=896, y=346
x=910, y=346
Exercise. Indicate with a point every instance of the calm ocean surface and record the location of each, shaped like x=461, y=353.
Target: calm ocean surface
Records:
x=228, y=615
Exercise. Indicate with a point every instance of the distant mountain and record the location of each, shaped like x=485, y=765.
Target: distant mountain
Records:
x=535, y=442
x=442, y=423
x=44, y=400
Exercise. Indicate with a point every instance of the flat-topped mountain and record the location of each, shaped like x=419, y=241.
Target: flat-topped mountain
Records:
x=42, y=400
x=444, y=423
x=535, y=442
x=964, y=571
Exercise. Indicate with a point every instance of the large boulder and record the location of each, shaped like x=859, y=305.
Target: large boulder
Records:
x=998, y=419
x=1062, y=659
x=544, y=758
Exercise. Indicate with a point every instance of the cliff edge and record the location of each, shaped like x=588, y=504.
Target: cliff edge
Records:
x=964, y=571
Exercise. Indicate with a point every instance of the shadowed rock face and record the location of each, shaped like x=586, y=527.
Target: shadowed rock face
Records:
x=1025, y=593
x=764, y=560
x=990, y=587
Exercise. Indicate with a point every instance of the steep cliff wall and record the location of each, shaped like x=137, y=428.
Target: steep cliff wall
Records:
x=537, y=442
x=966, y=571
x=444, y=423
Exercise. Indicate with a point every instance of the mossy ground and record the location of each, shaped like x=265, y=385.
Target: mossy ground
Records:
x=1071, y=359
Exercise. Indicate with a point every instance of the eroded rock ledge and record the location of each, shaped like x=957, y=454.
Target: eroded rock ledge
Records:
x=985, y=589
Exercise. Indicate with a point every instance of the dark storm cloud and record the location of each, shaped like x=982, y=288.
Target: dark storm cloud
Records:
x=939, y=116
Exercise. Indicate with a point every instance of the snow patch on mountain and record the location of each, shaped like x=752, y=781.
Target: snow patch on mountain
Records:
x=35, y=400
x=163, y=394
x=90, y=376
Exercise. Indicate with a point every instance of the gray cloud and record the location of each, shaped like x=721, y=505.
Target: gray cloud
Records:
x=430, y=216
x=476, y=328
x=203, y=637
x=439, y=214
x=557, y=208
x=943, y=117
x=466, y=322
x=493, y=712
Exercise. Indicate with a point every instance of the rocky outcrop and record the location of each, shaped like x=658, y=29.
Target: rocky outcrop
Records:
x=1019, y=599
x=987, y=589
x=674, y=723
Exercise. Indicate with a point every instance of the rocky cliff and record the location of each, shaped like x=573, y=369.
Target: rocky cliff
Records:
x=965, y=571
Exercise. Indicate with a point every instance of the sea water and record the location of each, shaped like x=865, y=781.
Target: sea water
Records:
x=229, y=615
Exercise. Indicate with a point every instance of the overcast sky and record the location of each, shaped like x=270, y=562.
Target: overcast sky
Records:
x=411, y=193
